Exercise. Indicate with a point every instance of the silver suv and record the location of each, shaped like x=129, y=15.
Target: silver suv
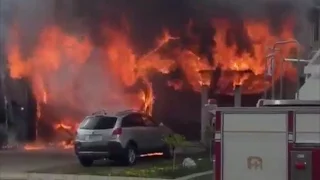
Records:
x=122, y=136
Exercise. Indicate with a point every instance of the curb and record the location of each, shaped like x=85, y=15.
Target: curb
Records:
x=8, y=176
x=40, y=176
x=194, y=175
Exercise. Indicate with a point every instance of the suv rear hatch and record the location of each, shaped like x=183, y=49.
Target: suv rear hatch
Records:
x=96, y=128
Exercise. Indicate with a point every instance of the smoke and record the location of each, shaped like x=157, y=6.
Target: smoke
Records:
x=5, y=15
x=31, y=16
x=148, y=17
x=86, y=90
x=145, y=17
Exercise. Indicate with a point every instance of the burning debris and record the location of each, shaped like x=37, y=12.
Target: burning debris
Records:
x=75, y=72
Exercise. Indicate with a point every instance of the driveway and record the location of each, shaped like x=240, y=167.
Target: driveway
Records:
x=55, y=161
x=23, y=161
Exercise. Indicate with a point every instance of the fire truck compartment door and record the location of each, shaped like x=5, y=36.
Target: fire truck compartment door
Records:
x=254, y=146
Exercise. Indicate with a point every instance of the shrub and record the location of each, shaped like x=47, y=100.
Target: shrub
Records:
x=174, y=141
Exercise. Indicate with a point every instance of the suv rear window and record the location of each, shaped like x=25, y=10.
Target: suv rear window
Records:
x=98, y=122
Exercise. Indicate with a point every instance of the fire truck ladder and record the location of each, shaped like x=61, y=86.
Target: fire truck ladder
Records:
x=270, y=67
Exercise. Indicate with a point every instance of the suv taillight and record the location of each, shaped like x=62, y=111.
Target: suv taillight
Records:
x=117, y=131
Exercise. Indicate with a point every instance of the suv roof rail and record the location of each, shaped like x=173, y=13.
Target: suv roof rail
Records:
x=100, y=113
x=127, y=111
x=105, y=112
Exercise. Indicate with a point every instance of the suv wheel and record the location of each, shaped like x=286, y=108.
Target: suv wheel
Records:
x=130, y=156
x=86, y=162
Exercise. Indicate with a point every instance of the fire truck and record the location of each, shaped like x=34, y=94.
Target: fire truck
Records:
x=279, y=139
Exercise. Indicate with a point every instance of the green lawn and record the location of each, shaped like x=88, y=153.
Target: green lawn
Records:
x=204, y=177
x=155, y=167
x=163, y=169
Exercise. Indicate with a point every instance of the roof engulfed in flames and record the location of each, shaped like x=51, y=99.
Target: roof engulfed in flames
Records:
x=71, y=71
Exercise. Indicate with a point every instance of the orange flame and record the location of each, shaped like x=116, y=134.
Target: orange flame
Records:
x=63, y=126
x=61, y=66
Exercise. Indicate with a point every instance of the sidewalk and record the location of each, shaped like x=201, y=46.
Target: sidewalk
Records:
x=38, y=176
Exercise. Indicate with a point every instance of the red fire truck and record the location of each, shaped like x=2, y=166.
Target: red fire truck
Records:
x=280, y=140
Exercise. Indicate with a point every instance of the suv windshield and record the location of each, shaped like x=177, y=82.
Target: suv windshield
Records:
x=98, y=122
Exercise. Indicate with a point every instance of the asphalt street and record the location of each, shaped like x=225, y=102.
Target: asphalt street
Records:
x=26, y=161
x=20, y=161
x=23, y=161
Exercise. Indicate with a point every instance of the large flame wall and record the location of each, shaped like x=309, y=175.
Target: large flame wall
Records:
x=73, y=74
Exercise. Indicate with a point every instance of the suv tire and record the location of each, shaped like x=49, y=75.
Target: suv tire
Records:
x=85, y=162
x=130, y=155
x=167, y=152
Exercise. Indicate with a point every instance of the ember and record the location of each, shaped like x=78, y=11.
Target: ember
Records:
x=72, y=76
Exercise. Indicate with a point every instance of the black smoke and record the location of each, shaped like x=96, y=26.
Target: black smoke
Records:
x=146, y=18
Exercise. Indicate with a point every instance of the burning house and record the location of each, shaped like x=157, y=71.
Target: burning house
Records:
x=70, y=59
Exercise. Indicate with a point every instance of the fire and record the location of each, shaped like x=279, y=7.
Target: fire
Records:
x=260, y=38
x=56, y=50
x=31, y=147
x=63, y=126
x=151, y=154
x=71, y=76
x=40, y=146
x=65, y=145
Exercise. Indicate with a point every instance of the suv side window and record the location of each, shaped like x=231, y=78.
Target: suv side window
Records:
x=98, y=122
x=106, y=123
x=132, y=120
x=148, y=121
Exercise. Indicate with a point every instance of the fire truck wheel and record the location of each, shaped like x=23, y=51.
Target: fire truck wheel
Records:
x=85, y=162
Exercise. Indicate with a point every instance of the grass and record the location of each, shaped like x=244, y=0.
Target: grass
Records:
x=155, y=167
x=204, y=177
x=164, y=169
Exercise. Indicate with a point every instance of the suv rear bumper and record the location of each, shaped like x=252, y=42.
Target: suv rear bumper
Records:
x=111, y=149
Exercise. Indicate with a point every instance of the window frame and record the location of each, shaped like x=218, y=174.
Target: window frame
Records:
x=125, y=119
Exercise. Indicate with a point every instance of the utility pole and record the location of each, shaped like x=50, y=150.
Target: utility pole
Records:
x=3, y=84
x=4, y=6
